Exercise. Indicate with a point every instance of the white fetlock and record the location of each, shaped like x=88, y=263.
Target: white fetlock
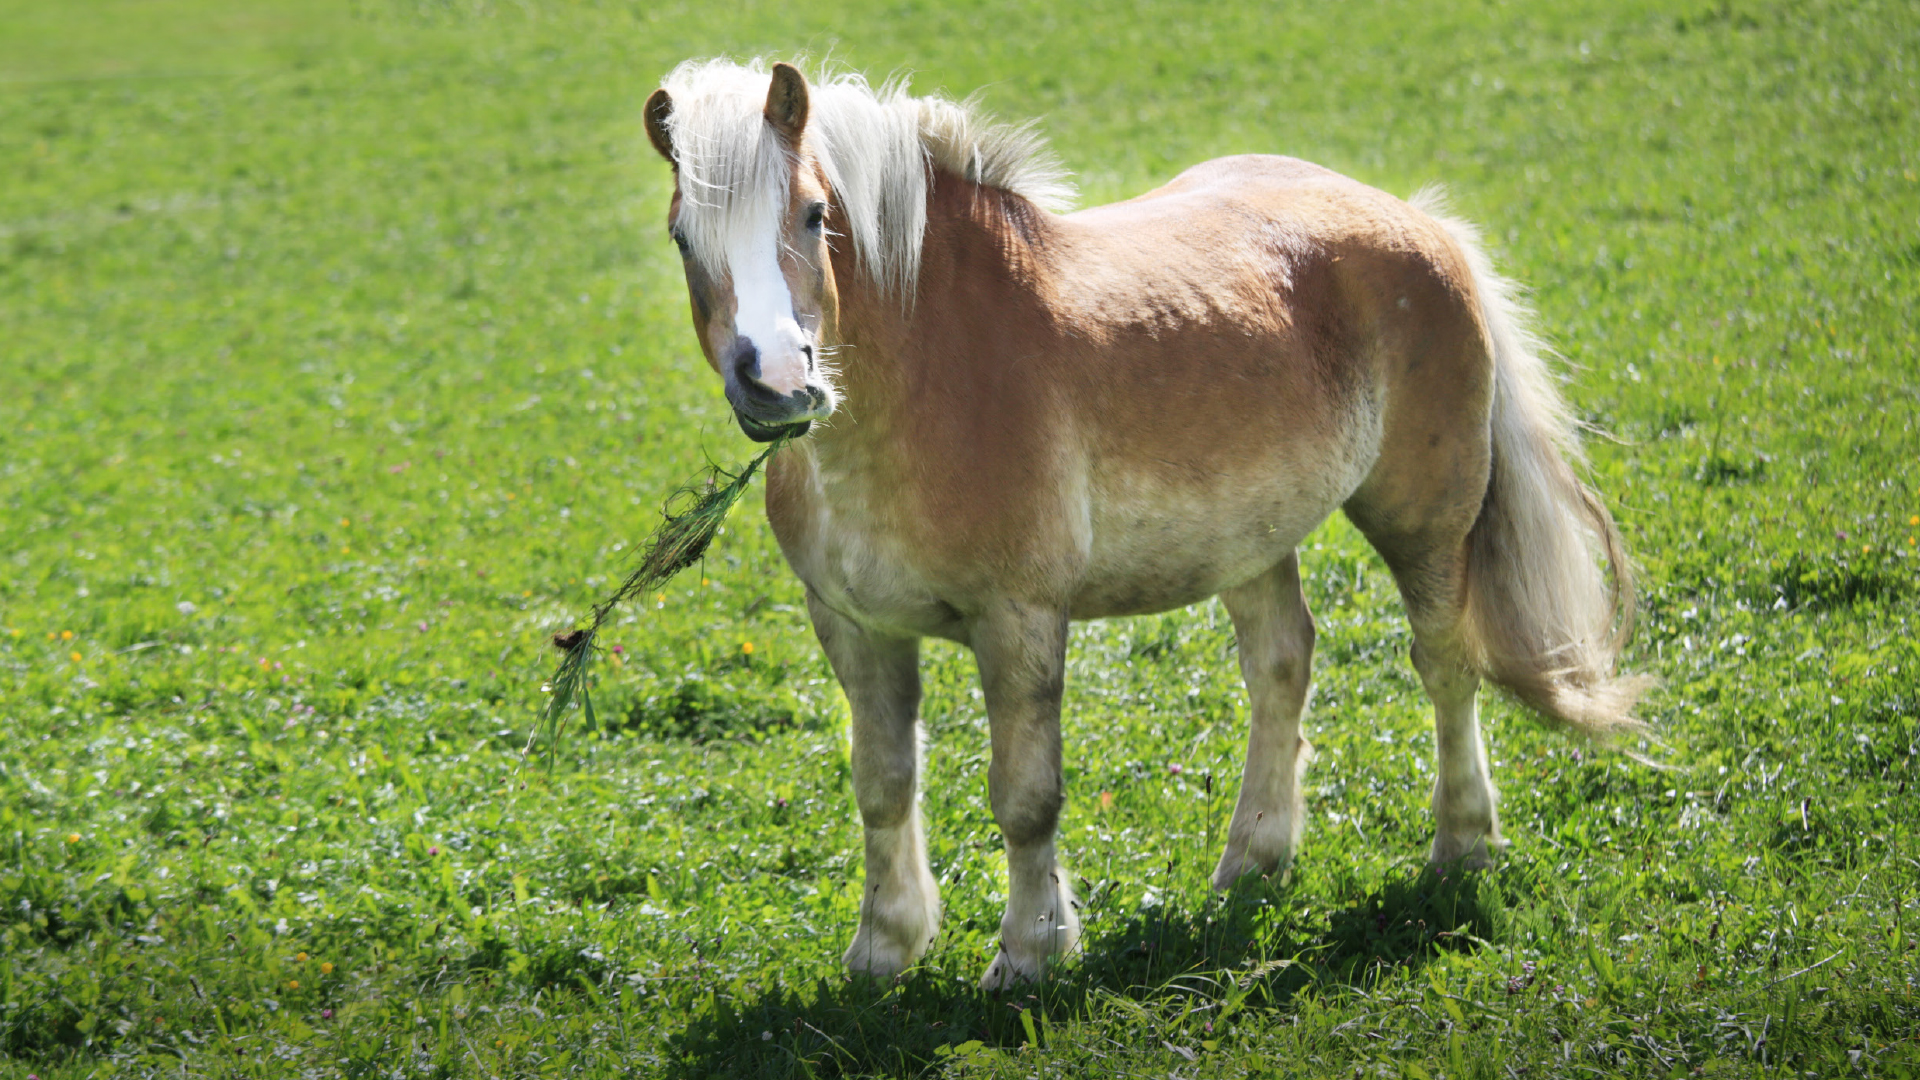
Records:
x=895, y=930
x=1267, y=851
x=1028, y=943
x=879, y=955
x=1003, y=974
x=1006, y=971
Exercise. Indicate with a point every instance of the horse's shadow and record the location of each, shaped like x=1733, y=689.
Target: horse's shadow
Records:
x=1246, y=950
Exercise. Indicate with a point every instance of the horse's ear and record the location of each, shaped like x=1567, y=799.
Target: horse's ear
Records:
x=787, y=102
x=659, y=105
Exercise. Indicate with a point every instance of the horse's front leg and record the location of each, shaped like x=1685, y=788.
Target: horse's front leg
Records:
x=1022, y=655
x=900, y=908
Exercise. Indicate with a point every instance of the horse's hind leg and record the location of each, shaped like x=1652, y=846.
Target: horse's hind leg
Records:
x=1270, y=618
x=1430, y=567
x=900, y=909
x=1466, y=827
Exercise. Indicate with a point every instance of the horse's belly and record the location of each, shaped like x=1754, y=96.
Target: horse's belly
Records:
x=1166, y=588
x=1146, y=562
x=1165, y=538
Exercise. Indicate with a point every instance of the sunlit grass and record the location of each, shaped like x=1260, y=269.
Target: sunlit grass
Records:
x=345, y=360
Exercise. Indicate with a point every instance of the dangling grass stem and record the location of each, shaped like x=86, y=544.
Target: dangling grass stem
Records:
x=678, y=543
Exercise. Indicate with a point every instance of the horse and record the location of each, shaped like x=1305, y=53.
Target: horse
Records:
x=1006, y=416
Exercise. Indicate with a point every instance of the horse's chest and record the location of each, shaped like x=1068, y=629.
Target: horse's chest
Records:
x=854, y=558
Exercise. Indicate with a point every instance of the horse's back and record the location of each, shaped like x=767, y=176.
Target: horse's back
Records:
x=1269, y=180
x=1235, y=204
x=1235, y=172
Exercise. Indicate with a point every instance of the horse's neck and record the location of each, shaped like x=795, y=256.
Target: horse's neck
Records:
x=982, y=267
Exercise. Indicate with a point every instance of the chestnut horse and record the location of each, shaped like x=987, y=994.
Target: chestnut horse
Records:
x=1022, y=417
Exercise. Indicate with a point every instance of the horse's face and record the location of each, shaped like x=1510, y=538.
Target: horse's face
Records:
x=758, y=274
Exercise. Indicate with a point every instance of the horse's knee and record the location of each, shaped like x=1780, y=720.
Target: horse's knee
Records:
x=888, y=810
x=883, y=786
x=1026, y=803
x=1031, y=820
x=884, y=800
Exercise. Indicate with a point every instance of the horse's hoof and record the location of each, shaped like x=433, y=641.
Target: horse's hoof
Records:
x=1234, y=868
x=1457, y=855
x=1004, y=974
x=873, y=956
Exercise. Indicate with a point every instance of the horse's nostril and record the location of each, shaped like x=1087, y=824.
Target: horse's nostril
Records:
x=746, y=361
x=808, y=350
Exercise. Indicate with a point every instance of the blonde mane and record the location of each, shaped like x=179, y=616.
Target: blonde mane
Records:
x=875, y=146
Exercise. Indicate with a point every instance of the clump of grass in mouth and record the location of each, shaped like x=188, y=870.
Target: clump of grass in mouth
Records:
x=679, y=542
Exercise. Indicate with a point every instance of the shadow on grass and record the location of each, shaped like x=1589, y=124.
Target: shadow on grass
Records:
x=1241, y=952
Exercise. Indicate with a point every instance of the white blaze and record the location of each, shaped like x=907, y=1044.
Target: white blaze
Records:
x=763, y=311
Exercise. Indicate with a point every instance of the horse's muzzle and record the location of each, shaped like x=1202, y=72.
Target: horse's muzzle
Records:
x=765, y=413
x=760, y=432
x=765, y=416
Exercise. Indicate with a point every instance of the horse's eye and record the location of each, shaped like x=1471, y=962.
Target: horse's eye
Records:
x=680, y=241
x=816, y=216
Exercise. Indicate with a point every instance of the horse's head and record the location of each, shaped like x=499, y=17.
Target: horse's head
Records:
x=749, y=216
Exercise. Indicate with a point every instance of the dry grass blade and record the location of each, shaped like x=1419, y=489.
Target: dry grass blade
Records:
x=678, y=543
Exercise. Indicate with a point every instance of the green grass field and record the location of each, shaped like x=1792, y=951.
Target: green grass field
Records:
x=343, y=358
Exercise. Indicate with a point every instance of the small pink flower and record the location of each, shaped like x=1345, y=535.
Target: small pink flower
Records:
x=326, y=1014
x=433, y=851
x=618, y=649
x=1176, y=768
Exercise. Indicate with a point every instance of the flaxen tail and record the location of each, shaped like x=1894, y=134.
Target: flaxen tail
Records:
x=1544, y=620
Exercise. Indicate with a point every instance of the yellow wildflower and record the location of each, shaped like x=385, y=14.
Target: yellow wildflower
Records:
x=747, y=647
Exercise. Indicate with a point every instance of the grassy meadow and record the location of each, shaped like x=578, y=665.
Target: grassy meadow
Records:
x=344, y=358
